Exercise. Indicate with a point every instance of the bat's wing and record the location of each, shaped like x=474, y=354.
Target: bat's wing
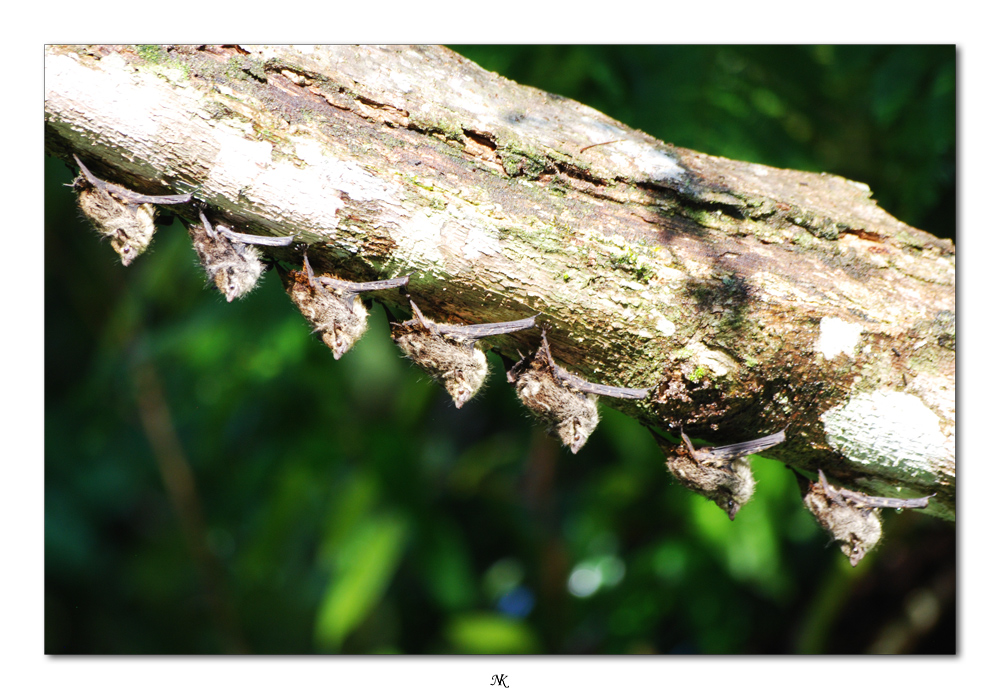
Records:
x=735, y=451
x=599, y=389
x=135, y=199
x=471, y=333
x=889, y=503
x=127, y=195
x=346, y=287
x=542, y=354
x=270, y=240
x=418, y=318
x=515, y=371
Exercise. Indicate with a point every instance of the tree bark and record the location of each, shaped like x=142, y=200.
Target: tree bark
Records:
x=748, y=297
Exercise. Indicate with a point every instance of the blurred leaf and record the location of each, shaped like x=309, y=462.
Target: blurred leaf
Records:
x=366, y=564
x=484, y=632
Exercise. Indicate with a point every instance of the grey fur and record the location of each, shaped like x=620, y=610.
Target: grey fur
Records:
x=450, y=353
x=234, y=267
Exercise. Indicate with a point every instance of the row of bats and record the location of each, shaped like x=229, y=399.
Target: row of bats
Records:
x=452, y=356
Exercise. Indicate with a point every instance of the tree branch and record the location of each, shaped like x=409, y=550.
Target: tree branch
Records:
x=749, y=297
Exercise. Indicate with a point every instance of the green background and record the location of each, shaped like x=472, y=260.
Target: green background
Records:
x=216, y=482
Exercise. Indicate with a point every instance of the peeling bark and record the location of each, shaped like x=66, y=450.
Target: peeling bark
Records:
x=752, y=298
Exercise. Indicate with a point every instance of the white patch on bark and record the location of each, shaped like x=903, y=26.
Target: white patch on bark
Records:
x=717, y=363
x=892, y=434
x=481, y=241
x=642, y=156
x=664, y=326
x=420, y=239
x=237, y=158
x=76, y=84
x=836, y=336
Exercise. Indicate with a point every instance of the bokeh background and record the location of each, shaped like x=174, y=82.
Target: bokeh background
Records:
x=215, y=482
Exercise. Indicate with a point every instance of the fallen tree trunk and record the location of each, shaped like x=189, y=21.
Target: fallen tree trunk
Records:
x=748, y=297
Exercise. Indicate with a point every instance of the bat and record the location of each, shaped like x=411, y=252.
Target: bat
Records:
x=566, y=403
x=332, y=306
x=126, y=218
x=721, y=474
x=233, y=266
x=450, y=353
x=851, y=518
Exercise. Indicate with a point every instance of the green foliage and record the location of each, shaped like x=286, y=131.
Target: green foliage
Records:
x=365, y=562
x=348, y=507
x=484, y=632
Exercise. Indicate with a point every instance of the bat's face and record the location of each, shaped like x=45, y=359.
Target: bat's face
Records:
x=235, y=268
x=579, y=421
x=240, y=271
x=463, y=382
x=132, y=239
x=348, y=327
x=737, y=489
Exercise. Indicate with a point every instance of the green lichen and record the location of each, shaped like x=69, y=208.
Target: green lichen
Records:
x=161, y=62
x=240, y=67
x=519, y=162
x=151, y=53
x=635, y=258
x=445, y=130
x=697, y=375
